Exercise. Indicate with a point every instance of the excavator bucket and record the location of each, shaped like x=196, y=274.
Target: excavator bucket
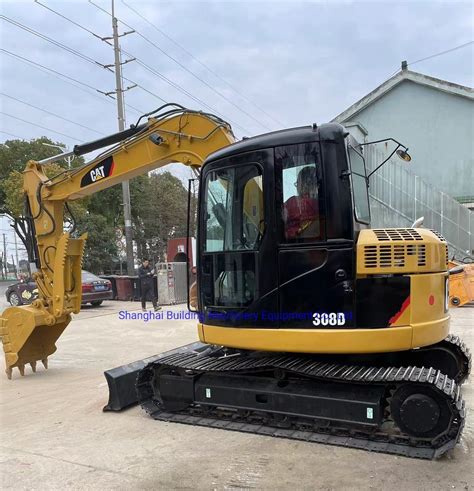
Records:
x=29, y=335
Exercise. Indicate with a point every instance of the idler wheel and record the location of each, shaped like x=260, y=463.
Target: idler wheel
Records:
x=420, y=411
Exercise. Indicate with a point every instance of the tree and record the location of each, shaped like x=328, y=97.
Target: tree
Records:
x=159, y=206
x=14, y=154
x=14, y=202
x=159, y=213
x=100, y=249
x=99, y=225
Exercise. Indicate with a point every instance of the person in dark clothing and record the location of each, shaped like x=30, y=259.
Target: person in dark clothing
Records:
x=145, y=273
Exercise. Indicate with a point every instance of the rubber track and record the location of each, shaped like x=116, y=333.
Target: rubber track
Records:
x=460, y=345
x=378, y=441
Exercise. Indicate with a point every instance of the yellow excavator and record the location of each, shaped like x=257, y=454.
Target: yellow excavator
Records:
x=312, y=325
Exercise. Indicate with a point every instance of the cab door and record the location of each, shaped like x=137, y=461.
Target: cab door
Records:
x=315, y=246
x=238, y=279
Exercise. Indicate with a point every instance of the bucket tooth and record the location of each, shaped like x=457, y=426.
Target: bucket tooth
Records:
x=33, y=366
x=9, y=372
x=44, y=361
x=22, y=370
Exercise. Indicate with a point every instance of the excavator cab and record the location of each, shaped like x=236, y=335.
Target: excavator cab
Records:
x=277, y=219
x=287, y=260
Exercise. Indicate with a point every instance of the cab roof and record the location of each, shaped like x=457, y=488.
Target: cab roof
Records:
x=301, y=134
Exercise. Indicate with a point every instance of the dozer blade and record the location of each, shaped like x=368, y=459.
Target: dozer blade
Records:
x=29, y=335
x=122, y=380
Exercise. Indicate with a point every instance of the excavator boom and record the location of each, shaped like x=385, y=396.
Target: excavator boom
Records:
x=171, y=134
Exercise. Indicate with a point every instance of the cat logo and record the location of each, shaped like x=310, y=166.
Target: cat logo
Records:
x=97, y=174
x=102, y=169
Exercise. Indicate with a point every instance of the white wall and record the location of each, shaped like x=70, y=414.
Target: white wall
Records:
x=437, y=127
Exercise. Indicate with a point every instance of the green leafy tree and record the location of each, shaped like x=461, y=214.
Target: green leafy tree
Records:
x=14, y=155
x=159, y=209
x=159, y=205
x=108, y=203
x=100, y=249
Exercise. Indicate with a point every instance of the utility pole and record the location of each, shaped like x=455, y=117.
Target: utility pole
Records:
x=16, y=254
x=127, y=212
x=5, y=257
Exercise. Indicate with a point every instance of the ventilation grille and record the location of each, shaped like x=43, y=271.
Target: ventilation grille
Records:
x=440, y=237
x=397, y=256
x=386, y=234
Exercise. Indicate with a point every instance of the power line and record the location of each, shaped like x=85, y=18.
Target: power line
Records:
x=442, y=52
x=54, y=42
x=102, y=39
x=201, y=63
x=40, y=126
x=435, y=55
x=60, y=75
x=148, y=68
x=182, y=90
x=186, y=69
x=11, y=134
x=148, y=91
x=15, y=55
x=52, y=114
x=97, y=36
x=69, y=20
x=179, y=88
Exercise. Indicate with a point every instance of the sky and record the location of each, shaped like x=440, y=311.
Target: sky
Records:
x=260, y=65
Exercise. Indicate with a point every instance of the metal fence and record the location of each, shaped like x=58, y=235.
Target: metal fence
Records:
x=398, y=197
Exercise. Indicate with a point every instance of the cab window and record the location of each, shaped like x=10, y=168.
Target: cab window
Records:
x=235, y=210
x=359, y=186
x=234, y=225
x=301, y=207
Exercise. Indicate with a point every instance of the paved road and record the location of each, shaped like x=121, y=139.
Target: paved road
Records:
x=54, y=435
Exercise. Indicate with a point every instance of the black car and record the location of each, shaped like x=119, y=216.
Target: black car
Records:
x=22, y=293
x=94, y=291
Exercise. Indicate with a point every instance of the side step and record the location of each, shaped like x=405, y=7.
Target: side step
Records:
x=122, y=380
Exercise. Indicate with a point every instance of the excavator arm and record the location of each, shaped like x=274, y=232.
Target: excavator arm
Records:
x=29, y=333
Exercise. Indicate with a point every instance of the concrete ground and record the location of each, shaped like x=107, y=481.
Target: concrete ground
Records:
x=54, y=434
